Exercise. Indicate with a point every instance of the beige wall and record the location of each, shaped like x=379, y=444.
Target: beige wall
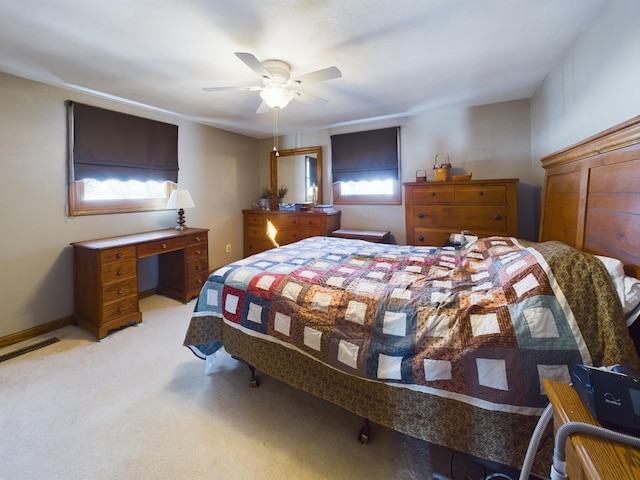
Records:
x=35, y=258
x=489, y=141
x=595, y=86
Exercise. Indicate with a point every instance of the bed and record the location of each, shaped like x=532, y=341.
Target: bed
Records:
x=448, y=344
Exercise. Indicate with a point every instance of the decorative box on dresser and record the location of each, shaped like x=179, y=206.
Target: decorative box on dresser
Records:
x=434, y=210
x=106, y=274
x=291, y=225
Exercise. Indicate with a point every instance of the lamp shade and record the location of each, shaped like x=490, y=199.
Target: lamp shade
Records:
x=276, y=96
x=180, y=199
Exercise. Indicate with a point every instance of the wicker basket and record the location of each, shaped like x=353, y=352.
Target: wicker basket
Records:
x=442, y=169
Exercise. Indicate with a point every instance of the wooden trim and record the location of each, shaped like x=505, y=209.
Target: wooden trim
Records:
x=35, y=331
x=393, y=199
x=619, y=136
x=315, y=150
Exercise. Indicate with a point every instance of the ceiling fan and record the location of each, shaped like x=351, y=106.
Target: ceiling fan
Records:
x=278, y=88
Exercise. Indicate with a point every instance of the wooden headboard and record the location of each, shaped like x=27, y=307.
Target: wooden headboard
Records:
x=591, y=198
x=591, y=195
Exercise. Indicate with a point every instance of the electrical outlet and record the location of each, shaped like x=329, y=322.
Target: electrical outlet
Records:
x=228, y=249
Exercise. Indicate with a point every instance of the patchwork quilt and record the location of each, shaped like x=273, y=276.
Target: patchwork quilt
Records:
x=481, y=324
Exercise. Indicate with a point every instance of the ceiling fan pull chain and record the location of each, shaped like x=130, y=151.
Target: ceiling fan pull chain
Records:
x=275, y=132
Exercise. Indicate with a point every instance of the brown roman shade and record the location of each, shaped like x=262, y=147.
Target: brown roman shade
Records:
x=369, y=155
x=113, y=145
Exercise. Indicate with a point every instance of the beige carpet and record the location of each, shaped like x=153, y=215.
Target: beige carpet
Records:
x=139, y=405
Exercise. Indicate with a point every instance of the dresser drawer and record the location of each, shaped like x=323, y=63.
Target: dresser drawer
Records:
x=123, y=308
x=117, y=254
x=433, y=194
x=116, y=291
x=311, y=223
x=114, y=272
x=284, y=221
x=196, y=252
x=161, y=246
x=425, y=237
x=255, y=219
x=256, y=231
x=462, y=217
x=289, y=235
x=484, y=194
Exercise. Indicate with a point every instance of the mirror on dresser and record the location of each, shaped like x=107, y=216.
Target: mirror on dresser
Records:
x=300, y=170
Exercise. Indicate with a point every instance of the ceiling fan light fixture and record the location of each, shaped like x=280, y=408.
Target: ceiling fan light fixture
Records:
x=276, y=96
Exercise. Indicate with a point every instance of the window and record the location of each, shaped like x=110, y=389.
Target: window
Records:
x=366, y=167
x=118, y=162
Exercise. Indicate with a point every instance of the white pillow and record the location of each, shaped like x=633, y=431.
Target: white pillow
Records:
x=628, y=288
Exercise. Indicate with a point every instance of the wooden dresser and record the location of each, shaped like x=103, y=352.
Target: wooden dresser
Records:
x=589, y=457
x=292, y=226
x=106, y=274
x=433, y=210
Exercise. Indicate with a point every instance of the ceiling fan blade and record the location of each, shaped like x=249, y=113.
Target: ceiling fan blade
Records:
x=318, y=76
x=263, y=108
x=226, y=89
x=306, y=97
x=254, y=64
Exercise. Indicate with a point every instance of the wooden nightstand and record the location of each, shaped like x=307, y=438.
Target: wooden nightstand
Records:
x=589, y=457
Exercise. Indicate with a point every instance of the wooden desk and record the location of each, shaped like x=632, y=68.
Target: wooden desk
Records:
x=106, y=274
x=589, y=457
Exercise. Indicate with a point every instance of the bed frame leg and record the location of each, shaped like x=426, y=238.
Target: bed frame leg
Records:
x=255, y=380
x=365, y=432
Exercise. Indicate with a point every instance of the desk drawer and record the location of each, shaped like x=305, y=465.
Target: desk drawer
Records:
x=196, y=239
x=125, y=307
x=117, y=254
x=196, y=252
x=116, y=291
x=115, y=272
x=198, y=266
x=160, y=246
x=196, y=282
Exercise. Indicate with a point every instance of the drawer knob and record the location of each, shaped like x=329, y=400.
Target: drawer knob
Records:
x=497, y=216
x=421, y=215
x=197, y=239
x=120, y=291
x=164, y=245
x=421, y=238
x=119, y=272
x=433, y=194
x=119, y=255
x=481, y=193
x=198, y=281
x=198, y=252
x=198, y=268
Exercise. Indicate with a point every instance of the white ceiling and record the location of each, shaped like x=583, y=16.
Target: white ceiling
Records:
x=397, y=57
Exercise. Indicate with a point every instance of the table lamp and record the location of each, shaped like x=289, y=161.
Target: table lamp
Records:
x=179, y=200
